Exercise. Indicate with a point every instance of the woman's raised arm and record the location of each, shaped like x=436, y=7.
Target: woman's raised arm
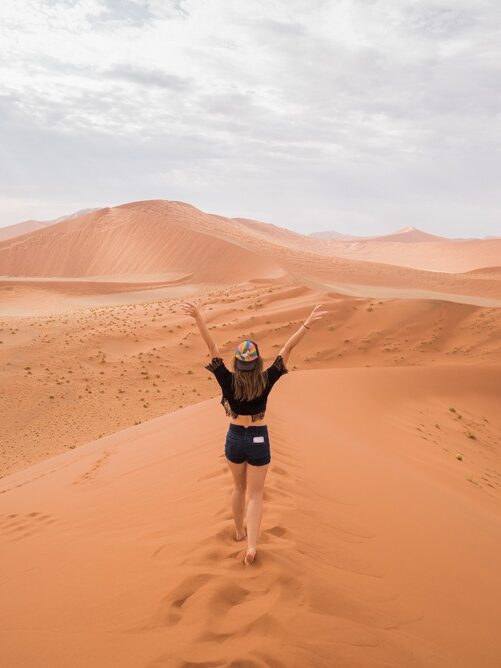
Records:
x=192, y=310
x=296, y=338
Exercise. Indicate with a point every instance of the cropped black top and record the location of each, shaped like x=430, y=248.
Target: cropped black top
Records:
x=255, y=407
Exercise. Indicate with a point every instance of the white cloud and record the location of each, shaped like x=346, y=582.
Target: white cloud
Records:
x=293, y=112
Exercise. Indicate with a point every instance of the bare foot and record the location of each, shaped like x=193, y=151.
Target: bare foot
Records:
x=250, y=556
x=240, y=534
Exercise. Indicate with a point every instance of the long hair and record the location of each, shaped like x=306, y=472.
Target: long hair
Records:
x=249, y=385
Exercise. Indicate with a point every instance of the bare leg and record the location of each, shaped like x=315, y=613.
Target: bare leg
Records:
x=239, y=472
x=256, y=476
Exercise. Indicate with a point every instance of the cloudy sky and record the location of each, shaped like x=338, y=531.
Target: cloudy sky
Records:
x=362, y=116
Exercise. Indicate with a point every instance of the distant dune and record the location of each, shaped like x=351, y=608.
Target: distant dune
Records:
x=28, y=226
x=486, y=272
x=408, y=235
x=155, y=238
x=331, y=234
x=446, y=255
x=422, y=250
x=134, y=239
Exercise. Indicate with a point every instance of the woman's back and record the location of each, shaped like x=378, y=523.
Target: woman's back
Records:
x=244, y=411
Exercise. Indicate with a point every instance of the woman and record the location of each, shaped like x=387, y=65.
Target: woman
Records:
x=244, y=396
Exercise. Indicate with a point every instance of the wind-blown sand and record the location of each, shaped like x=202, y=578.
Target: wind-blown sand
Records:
x=381, y=530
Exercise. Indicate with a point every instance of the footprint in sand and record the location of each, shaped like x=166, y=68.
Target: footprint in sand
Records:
x=172, y=605
x=92, y=472
x=16, y=526
x=26, y=482
x=278, y=531
x=215, y=599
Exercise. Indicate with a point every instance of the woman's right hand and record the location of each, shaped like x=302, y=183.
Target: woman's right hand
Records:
x=316, y=314
x=190, y=309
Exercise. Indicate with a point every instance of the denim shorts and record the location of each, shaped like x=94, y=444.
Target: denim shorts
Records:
x=247, y=444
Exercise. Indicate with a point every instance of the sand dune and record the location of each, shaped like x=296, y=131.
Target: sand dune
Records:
x=381, y=529
x=379, y=547
x=486, y=272
x=26, y=227
x=408, y=235
x=151, y=237
x=332, y=234
x=451, y=255
x=273, y=233
x=157, y=236
x=411, y=247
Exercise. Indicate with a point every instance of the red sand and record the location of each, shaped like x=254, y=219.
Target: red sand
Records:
x=380, y=537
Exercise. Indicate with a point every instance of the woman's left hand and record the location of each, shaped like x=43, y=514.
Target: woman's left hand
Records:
x=190, y=309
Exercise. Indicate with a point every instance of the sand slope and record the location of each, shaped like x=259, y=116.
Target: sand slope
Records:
x=378, y=547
